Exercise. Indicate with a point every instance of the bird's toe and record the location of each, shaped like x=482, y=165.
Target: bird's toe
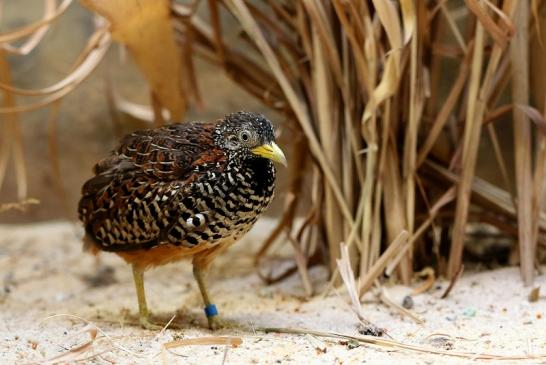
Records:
x=149, y=325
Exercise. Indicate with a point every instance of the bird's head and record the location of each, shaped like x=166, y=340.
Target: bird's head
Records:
x=249, y=135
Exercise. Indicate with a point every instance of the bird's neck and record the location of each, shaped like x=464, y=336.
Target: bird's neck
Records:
x=263, y=173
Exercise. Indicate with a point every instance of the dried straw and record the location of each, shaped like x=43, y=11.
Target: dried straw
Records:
x=362, y=81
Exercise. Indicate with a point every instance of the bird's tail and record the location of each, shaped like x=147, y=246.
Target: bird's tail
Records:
x=89, y=245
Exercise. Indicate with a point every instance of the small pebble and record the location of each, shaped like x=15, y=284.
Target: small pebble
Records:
x=469, y=312
x=407, y=302
x=352, y=344
x=371, y=330
x=442, y=342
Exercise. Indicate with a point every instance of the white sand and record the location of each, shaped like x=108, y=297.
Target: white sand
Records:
x=44, y=273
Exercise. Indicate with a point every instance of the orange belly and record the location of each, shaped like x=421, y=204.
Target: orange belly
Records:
x=160, y=255
x=202, y=254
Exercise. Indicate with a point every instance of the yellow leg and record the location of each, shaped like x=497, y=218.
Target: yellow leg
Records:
x=144, y=315
x=210, y=309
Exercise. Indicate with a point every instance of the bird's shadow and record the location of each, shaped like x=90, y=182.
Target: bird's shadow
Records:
x=180, y=320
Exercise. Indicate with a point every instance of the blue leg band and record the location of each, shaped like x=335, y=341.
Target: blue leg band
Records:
x=211, y=310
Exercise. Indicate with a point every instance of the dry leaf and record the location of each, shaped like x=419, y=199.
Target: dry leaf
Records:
x=387, y=86
x=344, y=267
x=145, y=28
x=391, y=22
x=75, y=353
x=408, y=17
x=428, y=273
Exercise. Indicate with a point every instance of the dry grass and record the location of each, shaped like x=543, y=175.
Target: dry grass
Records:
x=385, y=100
x=100, y=343
x=371, y=340
x=364, y=83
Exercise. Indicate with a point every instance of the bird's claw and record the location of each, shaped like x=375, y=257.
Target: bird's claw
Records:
x=218, y=322
x=214, y=323
x=148, y=325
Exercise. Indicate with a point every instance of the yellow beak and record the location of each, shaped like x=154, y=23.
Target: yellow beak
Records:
x=270, y=151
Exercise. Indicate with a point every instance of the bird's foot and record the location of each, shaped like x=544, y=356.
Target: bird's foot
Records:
x=149, y=325
x=214, y=323
x=218, y=323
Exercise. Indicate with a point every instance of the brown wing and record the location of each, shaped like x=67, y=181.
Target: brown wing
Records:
x=132, y=200
x=168, y=152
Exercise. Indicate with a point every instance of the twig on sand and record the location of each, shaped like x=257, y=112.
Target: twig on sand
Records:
x=226, y=349
x=371, y=340
x=76, y=352
x=213, y=340
x=454, y=279
x=385, y=298
x=348, y=277
x=90, y=323
x=164, y=328
x=428, y=273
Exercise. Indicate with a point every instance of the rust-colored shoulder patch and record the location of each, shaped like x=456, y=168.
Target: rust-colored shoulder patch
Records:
x=211, y=157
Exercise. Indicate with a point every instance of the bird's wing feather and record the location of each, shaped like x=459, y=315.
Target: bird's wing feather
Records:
x=124, y=204
x=170, y=152
x=166, y=154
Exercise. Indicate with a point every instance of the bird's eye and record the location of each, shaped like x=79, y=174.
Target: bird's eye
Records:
x=244, y=136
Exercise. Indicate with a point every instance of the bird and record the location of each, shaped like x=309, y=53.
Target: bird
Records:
x=181, y=191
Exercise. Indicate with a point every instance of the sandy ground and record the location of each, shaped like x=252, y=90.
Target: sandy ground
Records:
x=52, y=301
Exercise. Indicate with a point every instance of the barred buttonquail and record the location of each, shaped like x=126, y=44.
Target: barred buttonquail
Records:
x=185, y=190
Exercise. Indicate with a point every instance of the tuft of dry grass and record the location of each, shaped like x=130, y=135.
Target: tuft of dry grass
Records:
x=369, y=86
